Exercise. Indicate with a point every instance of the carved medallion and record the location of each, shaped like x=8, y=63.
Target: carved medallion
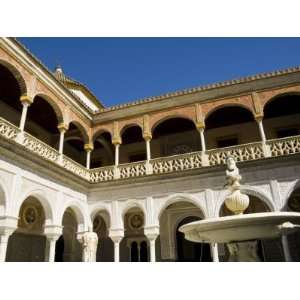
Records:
x=30, y=215
x=136, y=221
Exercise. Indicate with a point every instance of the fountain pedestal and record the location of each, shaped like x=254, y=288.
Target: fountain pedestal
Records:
x=243, y=251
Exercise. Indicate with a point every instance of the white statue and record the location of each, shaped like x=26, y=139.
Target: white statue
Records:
x=236, y=202
x=89, y=244
x=233, y=176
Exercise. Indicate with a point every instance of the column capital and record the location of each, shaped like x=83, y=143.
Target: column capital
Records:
x=200, y=125
x=116, y=140
x=53, y=232
x=88, y=147
x=151, y=232
x=62, y=127
x=147, y=136
x=116, y=234
x=259, y=117
x=26, y=99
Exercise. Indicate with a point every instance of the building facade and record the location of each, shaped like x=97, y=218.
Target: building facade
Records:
x=138, y=171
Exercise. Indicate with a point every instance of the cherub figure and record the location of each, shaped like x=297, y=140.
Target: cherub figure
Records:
x=233, y=176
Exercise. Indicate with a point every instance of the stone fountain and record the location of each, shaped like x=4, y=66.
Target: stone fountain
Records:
x=239, y=231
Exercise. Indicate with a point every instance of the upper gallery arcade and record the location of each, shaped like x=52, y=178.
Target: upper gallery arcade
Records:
x=54, y=121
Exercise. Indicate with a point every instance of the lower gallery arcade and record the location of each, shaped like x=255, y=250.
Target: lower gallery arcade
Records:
x=34, y=239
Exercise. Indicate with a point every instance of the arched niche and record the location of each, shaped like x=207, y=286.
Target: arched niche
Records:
x=12, y=87
x=282, y=116
x=28, y=243
x=101, y=225
x=133, y=146
x=103, y=153
x=130, y=246
x=174, y=247
x=174, y=136
x=42, y=121
x=75, y=139
x=68, y=248
x=229, y=126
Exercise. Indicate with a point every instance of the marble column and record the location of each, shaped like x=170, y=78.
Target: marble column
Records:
x=50, y=248
x=148, y=149
x=261, y=129
x=214, y=252
x=117, y=154
x=286, y=249
x=26, y=101
x=3, y=244
x=117, y=250
x=202, y=138
x=152, y=232
x=88, y=148
x=62, y=129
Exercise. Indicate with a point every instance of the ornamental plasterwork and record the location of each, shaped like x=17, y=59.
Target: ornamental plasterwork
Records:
x=136, y=221
x=30, y=215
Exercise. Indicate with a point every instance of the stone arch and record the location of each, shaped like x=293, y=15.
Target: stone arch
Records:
x=55, y=106
x=82, y=219
x=293, y=187
x=132, y=204
x=40, y=196
x=17, y=74
x=229, y=104
x=277, y=95
x=82, y=129
x=250, y=191
x=126, y=126
x=180, y=198
x=172, y=116
x=94, y=210
x=99, y=132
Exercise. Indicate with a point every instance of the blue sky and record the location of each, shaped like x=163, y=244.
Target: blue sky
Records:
x=120, y=70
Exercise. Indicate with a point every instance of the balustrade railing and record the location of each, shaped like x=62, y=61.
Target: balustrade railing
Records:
x=102, y=174
x=240, y=153
x=284, y=146
x=75, y=168
x=176, y=163
x=8, y=130
x=135, y=169
x=42, y=149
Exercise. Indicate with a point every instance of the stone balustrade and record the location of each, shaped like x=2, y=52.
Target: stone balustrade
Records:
x=163, y=165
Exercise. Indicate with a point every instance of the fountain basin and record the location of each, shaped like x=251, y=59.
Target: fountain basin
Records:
x=238, y=228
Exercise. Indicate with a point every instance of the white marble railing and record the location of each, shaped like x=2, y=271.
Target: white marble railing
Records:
x=102, y=174
x=284, y=146
x=176, y=163
x=42, y=149
x=75, y=168
x=135, y=169
x=8, y=130
x=240, y=153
